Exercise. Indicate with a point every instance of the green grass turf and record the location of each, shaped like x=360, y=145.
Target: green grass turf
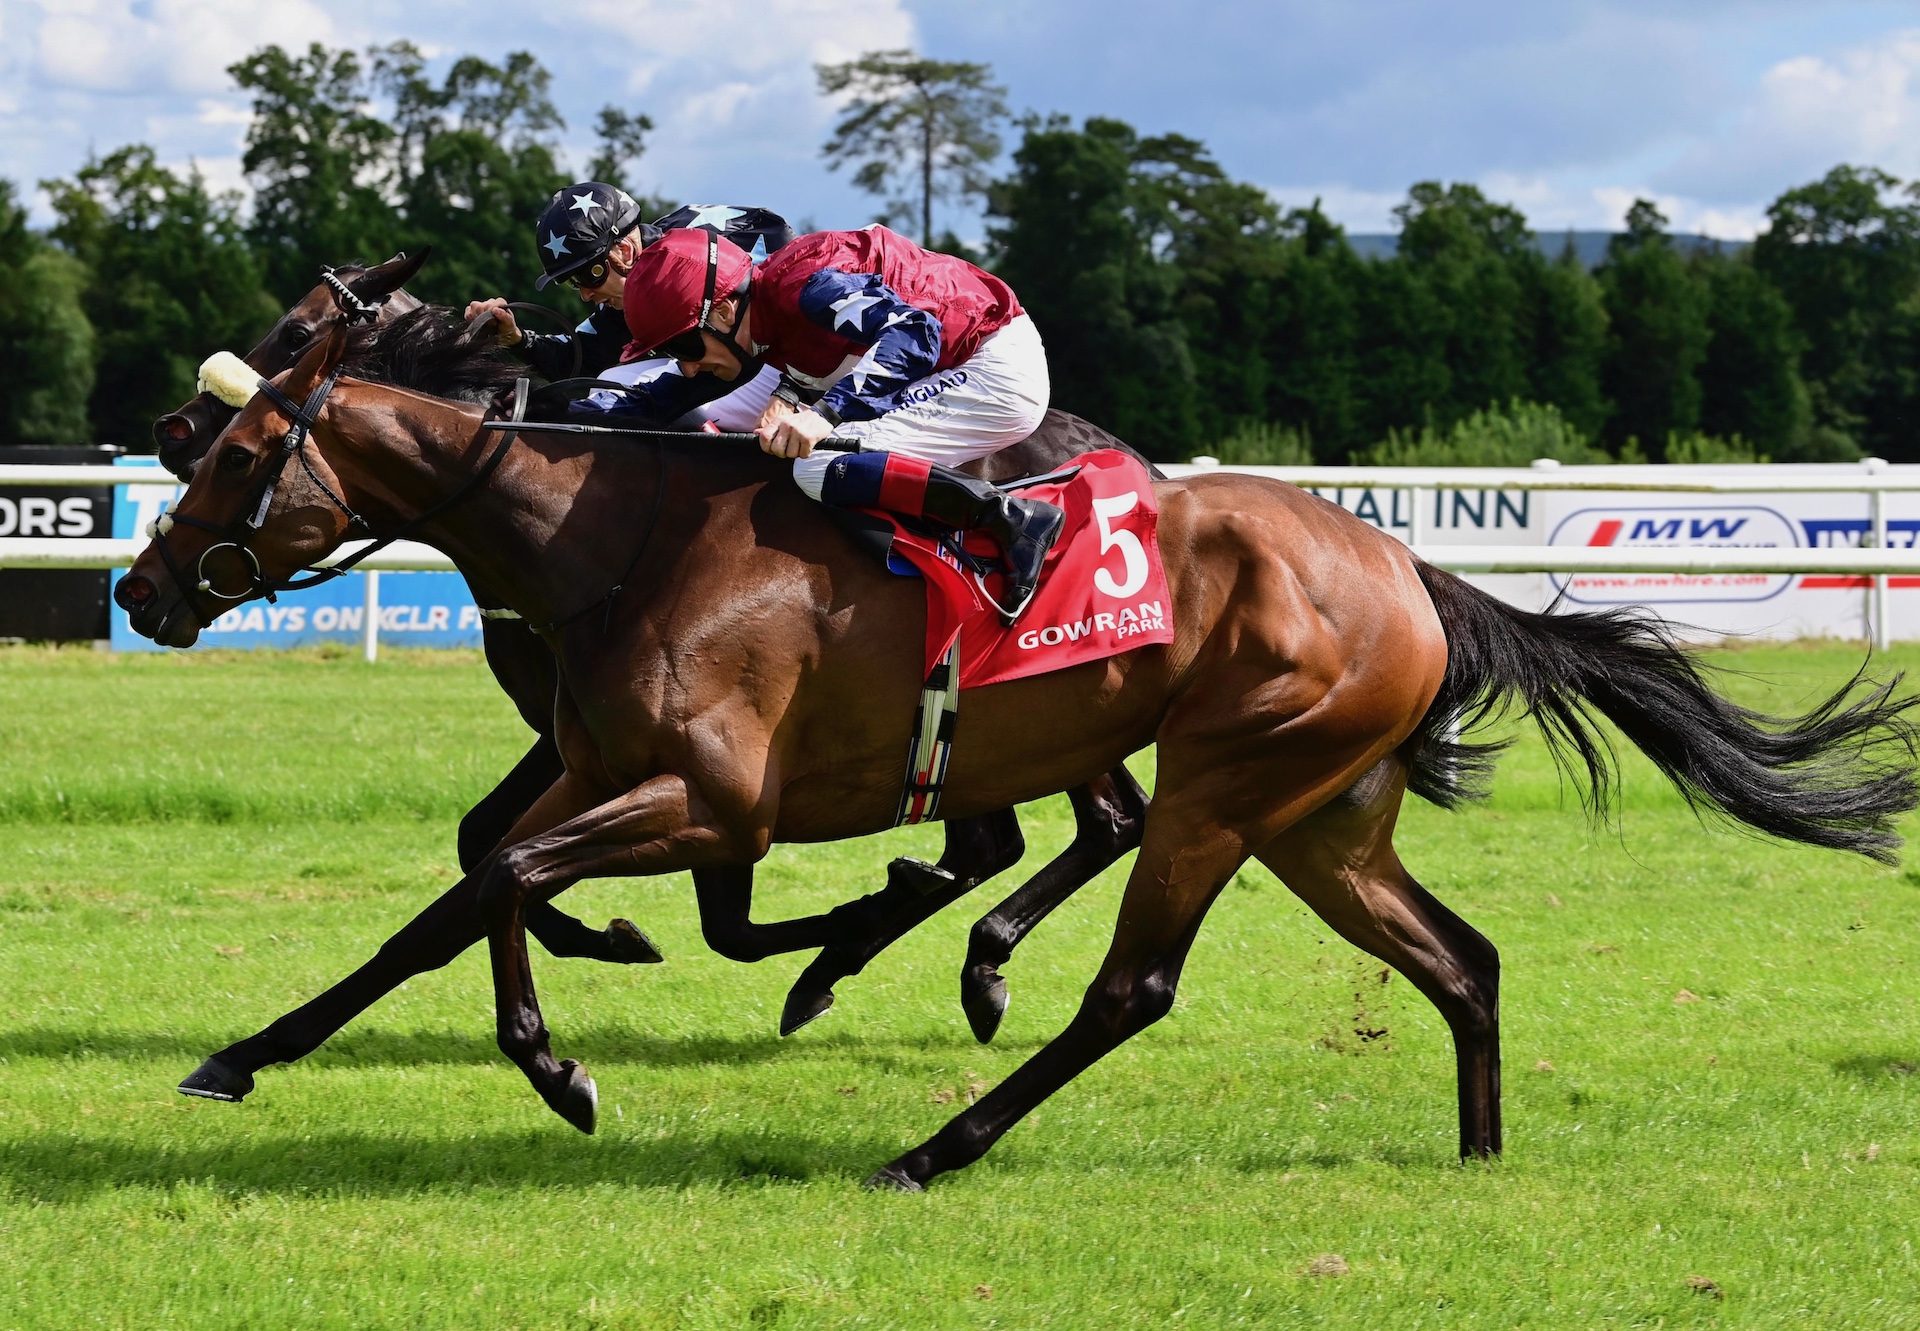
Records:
x=1710, y=1051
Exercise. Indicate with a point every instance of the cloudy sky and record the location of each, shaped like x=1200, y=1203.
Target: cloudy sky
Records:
x=1567, y=109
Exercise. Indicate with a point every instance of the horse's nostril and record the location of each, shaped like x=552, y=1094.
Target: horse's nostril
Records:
x=132, y=592
x=172, y=428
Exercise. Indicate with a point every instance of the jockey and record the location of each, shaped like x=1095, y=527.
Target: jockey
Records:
x=589, y=236
x=925, y=359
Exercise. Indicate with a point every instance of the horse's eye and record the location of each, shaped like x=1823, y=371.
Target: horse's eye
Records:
x=235, y=458
x=299, y=334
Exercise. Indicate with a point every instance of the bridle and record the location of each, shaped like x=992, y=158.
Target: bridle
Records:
x=353, y=310
x=238, y=534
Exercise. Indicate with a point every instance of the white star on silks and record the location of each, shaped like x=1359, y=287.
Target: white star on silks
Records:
x=584, y=204
x=847, y=309
x=865, y=368
x=713, y=214
x=556, y=245
x=897, y=317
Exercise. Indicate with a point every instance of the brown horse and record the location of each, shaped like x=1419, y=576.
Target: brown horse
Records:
x=734, y=675
x=393, y=338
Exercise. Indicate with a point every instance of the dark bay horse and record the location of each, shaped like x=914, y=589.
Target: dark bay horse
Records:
x=393, y=338
x=747, y=678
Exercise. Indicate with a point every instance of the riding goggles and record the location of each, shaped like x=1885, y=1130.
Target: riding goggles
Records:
x=588, y=276
x=690, y=345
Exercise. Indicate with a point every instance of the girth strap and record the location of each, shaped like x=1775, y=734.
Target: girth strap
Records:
x=932, y=743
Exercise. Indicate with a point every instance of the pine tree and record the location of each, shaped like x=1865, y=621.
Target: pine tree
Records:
x=1750, y=379
x=926, y=128
x=1657, y=334
x=1565, y=333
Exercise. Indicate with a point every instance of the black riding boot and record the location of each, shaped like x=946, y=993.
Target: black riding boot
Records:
x=1024, y=529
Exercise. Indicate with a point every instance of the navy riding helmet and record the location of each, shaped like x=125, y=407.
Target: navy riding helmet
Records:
x=582, y=222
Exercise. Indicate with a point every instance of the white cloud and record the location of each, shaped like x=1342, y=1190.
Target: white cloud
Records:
x=730, y=85
x=668, y=43
x=220, y=173
x=717, y=106
x=1583, y=91
x=215, y=111
x=1808, y=114
x=1354, y=209
x=180, y=46
x=1550, y=203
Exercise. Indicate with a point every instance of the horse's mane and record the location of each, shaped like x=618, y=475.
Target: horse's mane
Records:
x=429, y=351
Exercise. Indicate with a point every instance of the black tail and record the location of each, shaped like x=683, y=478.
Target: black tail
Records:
x=1835, y=777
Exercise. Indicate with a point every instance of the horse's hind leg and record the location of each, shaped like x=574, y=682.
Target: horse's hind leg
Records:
x=1174, y=881
x=1207, y=814
x=1109, y=814
x=1341, y=862
x=1106, y=822
x=976, y=849
x=725, y=897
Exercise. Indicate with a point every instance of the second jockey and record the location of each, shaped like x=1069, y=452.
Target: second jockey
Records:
x=927, y=360
x=588, y=238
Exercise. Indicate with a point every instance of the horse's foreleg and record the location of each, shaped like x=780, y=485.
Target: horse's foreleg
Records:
x=1109, y=814
x=976, y=850
x=486, y=824
x=662, y=826
x=427, y=942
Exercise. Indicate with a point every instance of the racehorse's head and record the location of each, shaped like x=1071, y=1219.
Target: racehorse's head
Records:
x=266, y=505
x=185, y=434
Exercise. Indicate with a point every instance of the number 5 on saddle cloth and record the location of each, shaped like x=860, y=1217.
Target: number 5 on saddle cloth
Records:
x=1103, y=591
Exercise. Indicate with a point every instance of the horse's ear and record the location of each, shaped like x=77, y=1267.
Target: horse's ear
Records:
x=383, y=279
x=318, y=361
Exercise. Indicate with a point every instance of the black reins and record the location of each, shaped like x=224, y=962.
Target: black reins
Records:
x=832, y=444
x=607, y=597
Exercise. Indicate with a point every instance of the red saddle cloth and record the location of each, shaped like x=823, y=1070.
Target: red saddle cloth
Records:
x=1103, y=589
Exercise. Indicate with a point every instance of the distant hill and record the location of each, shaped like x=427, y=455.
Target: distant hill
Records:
x=1589, y=246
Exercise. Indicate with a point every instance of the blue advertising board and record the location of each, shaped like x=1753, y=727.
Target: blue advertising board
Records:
x=416, y=609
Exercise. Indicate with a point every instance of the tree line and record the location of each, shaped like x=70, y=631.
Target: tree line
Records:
x=1185, y=311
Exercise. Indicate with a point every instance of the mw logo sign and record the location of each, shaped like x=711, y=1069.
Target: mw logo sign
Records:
x=1738, y=526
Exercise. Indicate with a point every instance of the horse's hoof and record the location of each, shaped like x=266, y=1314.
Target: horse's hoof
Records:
x=214, y=1080
x=985, y=1003
x=803, y=1006
x=924, y=878
x=578, y=1101
x=625, y=943
x=892, y=1178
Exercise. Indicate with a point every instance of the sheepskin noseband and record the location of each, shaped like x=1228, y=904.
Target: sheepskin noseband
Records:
x=228, y=378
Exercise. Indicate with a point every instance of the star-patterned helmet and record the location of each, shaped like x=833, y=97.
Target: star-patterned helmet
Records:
x=581, y=223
